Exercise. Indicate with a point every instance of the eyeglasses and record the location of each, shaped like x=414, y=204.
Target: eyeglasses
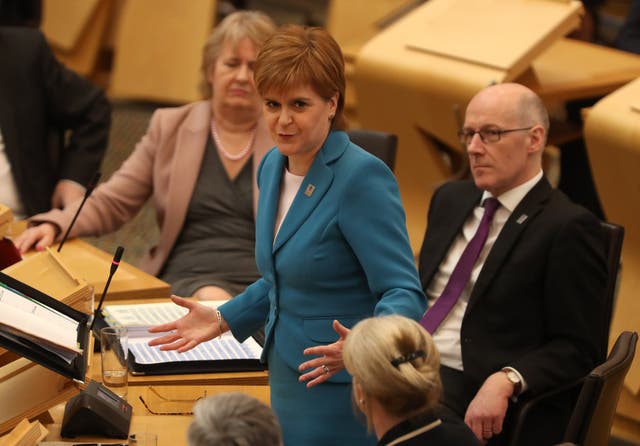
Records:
x=170, y=400
x=465, y=135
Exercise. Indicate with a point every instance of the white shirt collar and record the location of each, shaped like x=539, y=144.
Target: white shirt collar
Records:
x=511, y=198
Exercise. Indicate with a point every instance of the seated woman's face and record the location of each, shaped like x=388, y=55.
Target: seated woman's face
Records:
x=298, y=119
x=231, y=77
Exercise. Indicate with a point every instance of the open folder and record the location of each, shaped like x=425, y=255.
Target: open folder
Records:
x=43, y=329
x=223, y=354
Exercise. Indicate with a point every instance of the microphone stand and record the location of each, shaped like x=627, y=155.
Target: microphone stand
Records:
x=92, y=184
x=114, y=266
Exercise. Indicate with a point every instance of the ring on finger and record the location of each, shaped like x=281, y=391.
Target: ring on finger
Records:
x=325, y=368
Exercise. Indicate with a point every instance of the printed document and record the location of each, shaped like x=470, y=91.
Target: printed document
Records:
x=138, y=318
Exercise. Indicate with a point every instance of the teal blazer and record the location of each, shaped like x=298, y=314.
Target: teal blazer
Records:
x=342, y=253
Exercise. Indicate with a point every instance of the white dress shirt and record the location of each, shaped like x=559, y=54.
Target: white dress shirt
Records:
x=447, y=336
x=288, y=190
x=8, y=190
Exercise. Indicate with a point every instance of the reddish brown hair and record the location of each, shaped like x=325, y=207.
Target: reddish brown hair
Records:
x=295, y=56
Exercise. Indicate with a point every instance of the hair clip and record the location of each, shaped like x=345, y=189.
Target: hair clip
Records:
x=410, y=357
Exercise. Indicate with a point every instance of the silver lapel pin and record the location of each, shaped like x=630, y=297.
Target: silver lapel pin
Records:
x=521, y=219
x=309, y=190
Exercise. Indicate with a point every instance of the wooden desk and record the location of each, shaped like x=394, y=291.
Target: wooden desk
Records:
x=92, y=265
x=128, y=282
x=571, y=69
x=421, y=96
x=171, y=429
x=186, y=389
x=612, y=131
x=255, y=378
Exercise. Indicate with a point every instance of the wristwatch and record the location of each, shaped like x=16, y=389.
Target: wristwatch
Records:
x=514, y=378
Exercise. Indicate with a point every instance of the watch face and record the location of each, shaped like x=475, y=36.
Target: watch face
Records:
x=515, y=380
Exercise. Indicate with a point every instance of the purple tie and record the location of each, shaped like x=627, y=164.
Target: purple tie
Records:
x=461, y=273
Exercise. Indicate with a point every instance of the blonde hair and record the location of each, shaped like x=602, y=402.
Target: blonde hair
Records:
x=296, y=56
x=238, y=25
x=395, y=361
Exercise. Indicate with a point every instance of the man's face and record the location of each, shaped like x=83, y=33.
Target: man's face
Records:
x=504, y=164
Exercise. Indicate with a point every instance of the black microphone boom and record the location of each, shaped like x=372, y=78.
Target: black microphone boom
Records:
x=92, y=185
x=114, y=266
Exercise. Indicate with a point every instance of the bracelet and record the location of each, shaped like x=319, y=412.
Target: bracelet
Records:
x=219, y=317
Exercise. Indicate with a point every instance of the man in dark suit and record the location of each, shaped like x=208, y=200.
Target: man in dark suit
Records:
x=54, y=125
x=528, y=314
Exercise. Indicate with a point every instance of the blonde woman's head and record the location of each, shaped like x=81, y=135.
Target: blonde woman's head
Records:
x=393, y=360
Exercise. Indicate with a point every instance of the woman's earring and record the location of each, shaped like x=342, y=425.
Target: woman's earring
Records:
x=331, y=117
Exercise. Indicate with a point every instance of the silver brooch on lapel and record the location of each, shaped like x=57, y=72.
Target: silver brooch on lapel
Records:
x=309, y=190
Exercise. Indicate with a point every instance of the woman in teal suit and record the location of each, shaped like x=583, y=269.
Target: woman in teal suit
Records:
x=331, y=245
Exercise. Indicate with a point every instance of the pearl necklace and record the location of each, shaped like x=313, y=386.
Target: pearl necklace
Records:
x=223, y=152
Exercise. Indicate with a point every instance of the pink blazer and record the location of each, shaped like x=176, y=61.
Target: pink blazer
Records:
x=164, y=165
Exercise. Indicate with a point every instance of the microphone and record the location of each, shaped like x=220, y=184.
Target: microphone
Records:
x=92, y=185
x=114, y=266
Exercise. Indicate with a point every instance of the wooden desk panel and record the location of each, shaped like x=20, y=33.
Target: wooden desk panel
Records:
x=572, y=69
x=421, y=96
x=93, y=265
x=171, y=429
x=254, y=378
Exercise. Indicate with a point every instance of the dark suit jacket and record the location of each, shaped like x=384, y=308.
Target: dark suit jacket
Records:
x=39, y=98
x=537, y=302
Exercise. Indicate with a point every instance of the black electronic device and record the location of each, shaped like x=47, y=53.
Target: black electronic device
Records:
x=96, y=411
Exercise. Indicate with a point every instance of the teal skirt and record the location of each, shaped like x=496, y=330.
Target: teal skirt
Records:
x=322, y=415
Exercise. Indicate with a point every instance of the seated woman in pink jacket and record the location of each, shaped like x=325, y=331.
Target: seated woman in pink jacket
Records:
x=197, y=163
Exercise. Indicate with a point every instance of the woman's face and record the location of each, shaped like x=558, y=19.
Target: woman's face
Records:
x=299, y=121
x=231, y=76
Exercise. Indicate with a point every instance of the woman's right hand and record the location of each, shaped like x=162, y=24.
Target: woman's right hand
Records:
x=38, y=237
x=200, y=324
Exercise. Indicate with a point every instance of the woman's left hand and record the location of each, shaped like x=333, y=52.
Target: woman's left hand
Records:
x=329, y=362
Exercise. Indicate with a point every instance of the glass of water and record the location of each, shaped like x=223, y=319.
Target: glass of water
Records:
x=114, y=348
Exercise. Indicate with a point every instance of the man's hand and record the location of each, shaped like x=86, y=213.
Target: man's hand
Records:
x=486, y=411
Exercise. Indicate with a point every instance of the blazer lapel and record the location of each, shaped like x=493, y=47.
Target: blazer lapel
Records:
x=443, y=233
x=524, y=213
x=271, y=178
x=191, y=143
x=315, y=185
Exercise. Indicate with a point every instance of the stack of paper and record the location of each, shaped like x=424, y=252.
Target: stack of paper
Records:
x=138, y=318
x=25, y=318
